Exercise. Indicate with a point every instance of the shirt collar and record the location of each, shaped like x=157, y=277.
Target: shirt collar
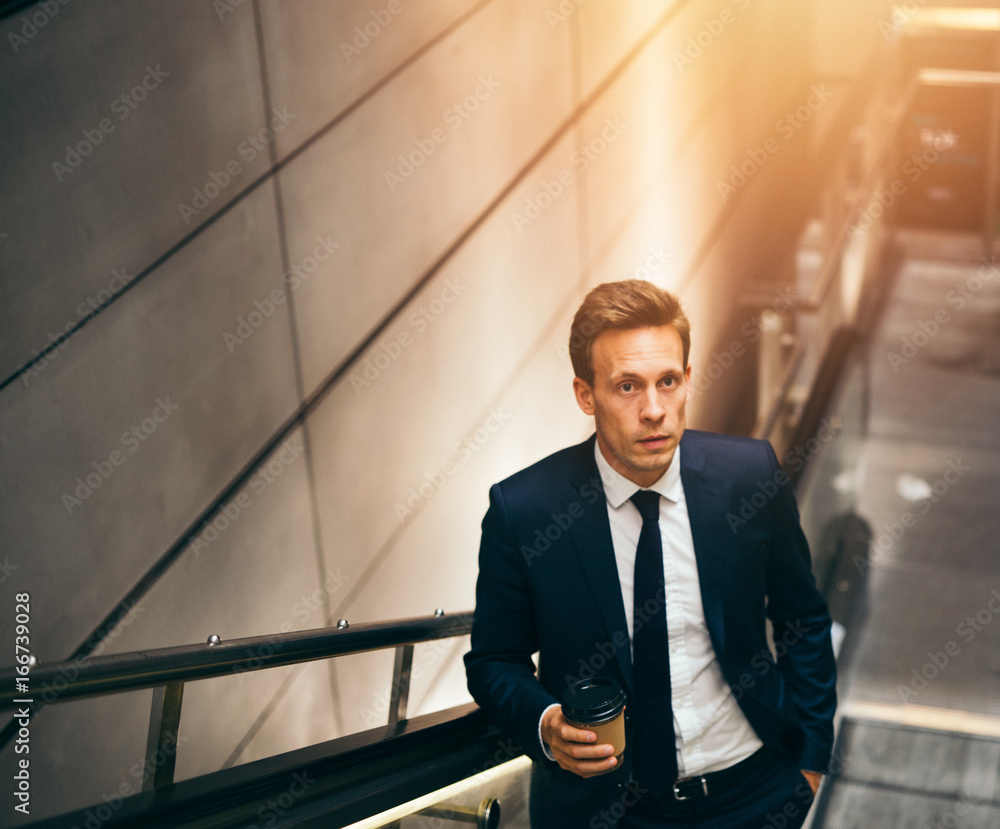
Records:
x=618, y=489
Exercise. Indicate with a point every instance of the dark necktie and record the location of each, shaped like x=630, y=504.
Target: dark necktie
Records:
x=654, y=756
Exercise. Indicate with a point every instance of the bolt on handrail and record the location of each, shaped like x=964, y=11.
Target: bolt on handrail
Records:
x=167, y=669
x=100, y=675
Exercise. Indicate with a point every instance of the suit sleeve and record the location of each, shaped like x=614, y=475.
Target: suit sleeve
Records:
x=801, y=627
x=499, y=666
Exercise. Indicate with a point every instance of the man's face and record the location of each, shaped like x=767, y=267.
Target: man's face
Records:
x=638, y=399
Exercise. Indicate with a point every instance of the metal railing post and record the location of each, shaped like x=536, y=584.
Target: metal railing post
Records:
x=485, y=816
x=161, y=742
x=400, y=692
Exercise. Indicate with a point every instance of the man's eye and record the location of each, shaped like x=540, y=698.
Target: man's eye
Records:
x=626, y=387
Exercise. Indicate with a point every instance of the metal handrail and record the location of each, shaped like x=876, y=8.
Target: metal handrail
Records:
x=814, y=300
x=795, y=348
x=167, y=669
x=774, y=397
x=100, y=675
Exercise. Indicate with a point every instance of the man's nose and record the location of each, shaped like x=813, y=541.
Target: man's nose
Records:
x=652, y=406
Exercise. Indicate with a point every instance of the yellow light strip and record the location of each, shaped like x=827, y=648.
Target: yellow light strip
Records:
x=399, y=812
x=958, y=77
x=923, y=716
x=984, y=20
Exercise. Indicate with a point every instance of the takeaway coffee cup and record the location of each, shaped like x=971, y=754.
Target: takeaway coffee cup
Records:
x=598, y=705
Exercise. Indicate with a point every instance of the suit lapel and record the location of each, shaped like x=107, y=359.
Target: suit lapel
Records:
x=704, y=493
x=591, y=534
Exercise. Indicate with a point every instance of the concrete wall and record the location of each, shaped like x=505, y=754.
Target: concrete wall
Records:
x=221, y=211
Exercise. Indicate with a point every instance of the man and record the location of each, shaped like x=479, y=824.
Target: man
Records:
x=632, y=557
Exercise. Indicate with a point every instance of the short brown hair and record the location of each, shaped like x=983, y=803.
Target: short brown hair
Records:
x=631, y=303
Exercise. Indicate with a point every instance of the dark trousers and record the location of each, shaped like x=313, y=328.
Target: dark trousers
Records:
x=775, y=796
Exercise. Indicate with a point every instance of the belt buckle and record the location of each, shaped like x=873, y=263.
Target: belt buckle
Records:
x=698, y=792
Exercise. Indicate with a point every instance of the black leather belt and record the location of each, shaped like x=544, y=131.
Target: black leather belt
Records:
x=718, y=782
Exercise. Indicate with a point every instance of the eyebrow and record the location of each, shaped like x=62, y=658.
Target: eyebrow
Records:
x=631, y=375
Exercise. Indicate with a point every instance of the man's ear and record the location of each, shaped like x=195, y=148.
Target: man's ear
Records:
x=687, y=380
x=584, y=395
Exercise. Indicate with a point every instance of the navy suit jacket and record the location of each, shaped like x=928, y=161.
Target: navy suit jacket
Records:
x=548, y=583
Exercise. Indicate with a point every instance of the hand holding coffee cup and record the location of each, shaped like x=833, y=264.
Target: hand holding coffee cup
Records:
x=587, y=734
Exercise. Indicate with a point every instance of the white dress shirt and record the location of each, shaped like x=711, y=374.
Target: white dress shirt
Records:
x=710, y=728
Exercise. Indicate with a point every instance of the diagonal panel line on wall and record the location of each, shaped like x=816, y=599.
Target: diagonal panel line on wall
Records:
x=275, y=168
x=316, y=397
